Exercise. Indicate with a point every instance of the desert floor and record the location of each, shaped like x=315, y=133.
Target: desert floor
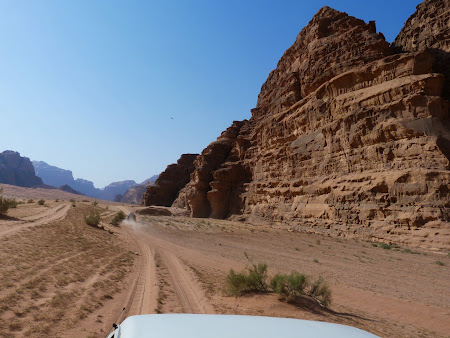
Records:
x=63, y=278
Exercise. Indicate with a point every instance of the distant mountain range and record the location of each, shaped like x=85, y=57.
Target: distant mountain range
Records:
x=58, y=177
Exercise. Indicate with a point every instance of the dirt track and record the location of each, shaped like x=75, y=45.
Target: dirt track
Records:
x=183, y=264
x=47, y=216
x=146, y=295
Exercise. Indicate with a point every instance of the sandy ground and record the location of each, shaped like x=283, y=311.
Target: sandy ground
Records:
x=181, y=264
x=57, y=271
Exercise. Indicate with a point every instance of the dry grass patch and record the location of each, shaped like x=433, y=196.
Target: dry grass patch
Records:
x=54, y=275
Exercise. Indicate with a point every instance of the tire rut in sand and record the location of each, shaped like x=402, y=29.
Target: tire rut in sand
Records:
x=143, y=296
x=189, y=293
x=51, y=215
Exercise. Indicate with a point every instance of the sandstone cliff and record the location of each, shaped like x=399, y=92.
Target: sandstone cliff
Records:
x=349, y=137
x=170, y=182
x=429, y=29
x=216, y=184
x=17, y=170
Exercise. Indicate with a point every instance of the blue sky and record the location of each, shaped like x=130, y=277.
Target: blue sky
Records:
x=92, y=86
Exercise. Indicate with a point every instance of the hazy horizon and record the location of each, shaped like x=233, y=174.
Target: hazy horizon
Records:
x=117, y=91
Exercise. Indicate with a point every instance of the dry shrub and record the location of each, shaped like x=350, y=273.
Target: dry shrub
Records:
x=289, y=286
x=254, y=279
x=6, y=203
x=93, y=219
x=321, y=291
x=118, y=218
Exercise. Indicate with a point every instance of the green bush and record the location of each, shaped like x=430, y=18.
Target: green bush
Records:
x=236, y=283
x=254, y=279
x=93, y=218
x=12, y=203
x=385, y=246
x=94, y=203
x=118, y=218
x=411, y=252
x=257, y=277
x=41, y=202
x=289, y=286
x=6, y=203
x=30, y=201
x=320, y=291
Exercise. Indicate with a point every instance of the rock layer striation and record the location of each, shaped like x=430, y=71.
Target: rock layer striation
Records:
x=429, y=29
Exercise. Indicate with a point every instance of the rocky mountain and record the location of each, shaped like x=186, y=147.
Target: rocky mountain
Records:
x=111, y=191
x=350, y=137
x=51, y=175
x=57, y=177
x=85, y=187
x=68, y=188
x=17, y=170
x=134, y=194
x=170, y=182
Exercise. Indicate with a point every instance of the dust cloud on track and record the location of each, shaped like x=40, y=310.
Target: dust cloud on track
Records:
x=146, y=294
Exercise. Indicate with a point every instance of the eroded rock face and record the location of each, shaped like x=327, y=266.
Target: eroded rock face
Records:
x=348, y=138
x=365, y=154
x=325, y=48
x=429, y=29
x=216, y=184
x=170, y=182
x=17, y=170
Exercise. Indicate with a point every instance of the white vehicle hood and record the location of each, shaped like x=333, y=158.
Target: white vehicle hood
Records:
x=218, y=326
